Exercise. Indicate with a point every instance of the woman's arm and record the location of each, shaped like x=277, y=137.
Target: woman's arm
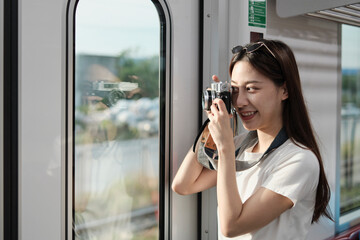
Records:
x=237, y=218
x=192, y=177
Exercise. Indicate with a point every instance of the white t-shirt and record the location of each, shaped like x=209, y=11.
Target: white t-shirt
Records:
x=290, y=171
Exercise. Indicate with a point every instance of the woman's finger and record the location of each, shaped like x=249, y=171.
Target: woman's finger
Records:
x=210, y=115
x=215, y=78
x=214, y=108
x=220, y=105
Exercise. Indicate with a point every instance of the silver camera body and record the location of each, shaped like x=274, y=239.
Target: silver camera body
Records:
x=220, y=90
x=112, y=92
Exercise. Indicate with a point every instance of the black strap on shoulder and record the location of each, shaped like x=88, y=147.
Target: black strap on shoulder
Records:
x=250, y=140
x=200, y=132
x=280, y=138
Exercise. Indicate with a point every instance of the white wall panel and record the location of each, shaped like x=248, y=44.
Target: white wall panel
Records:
x=185, y=97
x=41, y=78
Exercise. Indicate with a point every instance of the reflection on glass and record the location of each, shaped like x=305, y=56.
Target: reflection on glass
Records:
x=350, y=120
x=116, y=176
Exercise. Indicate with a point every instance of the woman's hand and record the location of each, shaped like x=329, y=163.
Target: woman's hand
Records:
x=219, y=126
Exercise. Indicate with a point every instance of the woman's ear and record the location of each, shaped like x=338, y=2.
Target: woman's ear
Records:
x=285, y=93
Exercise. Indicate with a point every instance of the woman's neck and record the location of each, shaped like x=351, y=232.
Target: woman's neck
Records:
x=265, y=139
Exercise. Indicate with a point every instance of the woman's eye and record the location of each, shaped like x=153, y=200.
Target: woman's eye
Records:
x=234, y=90
x=250, y=89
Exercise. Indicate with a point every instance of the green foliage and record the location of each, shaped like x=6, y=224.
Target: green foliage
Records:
x=349, y=190
x=144, y=71
x=350, y=197
x=351, y=89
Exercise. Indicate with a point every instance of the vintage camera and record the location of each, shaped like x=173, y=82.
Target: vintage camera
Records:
x=111, y=92
x=220, y=90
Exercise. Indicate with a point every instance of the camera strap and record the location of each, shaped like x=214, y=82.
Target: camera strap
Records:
x=250, y=140
x=208, y=156
x=203, y=126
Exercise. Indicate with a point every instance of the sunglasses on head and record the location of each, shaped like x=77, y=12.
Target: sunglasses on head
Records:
x=251, y=48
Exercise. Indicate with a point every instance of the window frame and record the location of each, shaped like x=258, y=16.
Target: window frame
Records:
x=10, y=120
x=165, y=118
x=350, y=219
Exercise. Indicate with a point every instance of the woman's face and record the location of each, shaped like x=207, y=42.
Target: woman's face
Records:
x=257, y=99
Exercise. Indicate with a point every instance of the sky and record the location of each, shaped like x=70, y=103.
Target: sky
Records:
x=108, y=27
x=350, y=42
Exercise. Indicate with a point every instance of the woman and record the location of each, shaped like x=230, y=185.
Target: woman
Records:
x=286, y=190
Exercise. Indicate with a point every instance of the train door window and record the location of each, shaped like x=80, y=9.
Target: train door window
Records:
x=349, y=201
x=116, y=120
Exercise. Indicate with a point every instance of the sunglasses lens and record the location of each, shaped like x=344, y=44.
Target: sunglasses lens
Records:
x=254, y=47
x=237, y=49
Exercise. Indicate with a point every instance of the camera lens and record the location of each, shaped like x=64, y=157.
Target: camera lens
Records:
x=206, y=100
x=113, y=97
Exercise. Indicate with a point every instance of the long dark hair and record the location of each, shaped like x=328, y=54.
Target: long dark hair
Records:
x=282, y=68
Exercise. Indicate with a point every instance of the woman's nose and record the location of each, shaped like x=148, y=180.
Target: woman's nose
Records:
x=241, y=99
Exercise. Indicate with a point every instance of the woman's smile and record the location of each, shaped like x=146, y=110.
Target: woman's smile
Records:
x=247, y=115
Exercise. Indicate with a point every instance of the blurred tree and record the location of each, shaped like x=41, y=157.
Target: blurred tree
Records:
x=144, y=71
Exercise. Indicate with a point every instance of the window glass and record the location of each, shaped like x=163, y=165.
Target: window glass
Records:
x=116, y=120
x=350, y=121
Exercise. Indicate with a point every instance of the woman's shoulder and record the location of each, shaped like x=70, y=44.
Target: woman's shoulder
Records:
x=293, y=147
x=293, y=152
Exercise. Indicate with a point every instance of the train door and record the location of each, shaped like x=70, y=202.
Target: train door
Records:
x=131, y=106
x=97, y=126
